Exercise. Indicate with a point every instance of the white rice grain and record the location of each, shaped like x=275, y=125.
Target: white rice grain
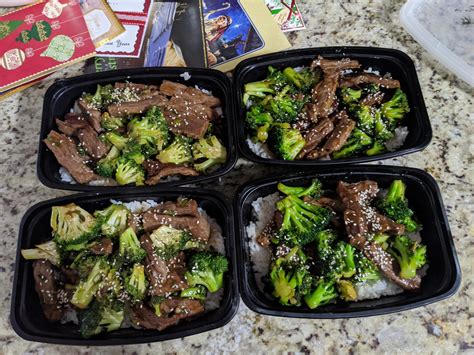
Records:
x=260, y=149
x=398, y=140
x=186, y=76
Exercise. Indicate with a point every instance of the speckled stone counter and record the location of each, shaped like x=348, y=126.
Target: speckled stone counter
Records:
x=444, y=327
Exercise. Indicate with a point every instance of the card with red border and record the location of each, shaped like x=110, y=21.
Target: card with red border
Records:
x=134, y=17
x=38, y=39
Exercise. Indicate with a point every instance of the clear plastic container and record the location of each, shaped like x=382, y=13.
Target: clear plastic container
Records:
x=446, y=30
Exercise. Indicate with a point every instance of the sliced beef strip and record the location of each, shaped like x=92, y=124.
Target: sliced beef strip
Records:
x=93, y=114
x=366, y=78
x=373, y=99
x=69, y=276
x=315, y=136
x=183, y=307
x=135, y=222
x=135, y=107
x=135, y=86
x=336, y=140
x=382, y=224
x=184, y=119
x=65, y=151
x=102, y=247
x=388, y=266
x=165, y=276
x=89, y=139
x=144, y=317
x=334, y=65
x=182, y=207
x=355, y=198
x=188, y=93
x=72, y=122
x=157, y=171
x=264, y=237
x=187, y=107
x=198, y=226
x=323, y=96
x=46, y=286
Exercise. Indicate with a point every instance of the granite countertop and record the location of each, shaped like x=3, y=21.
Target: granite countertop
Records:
x=444, y=327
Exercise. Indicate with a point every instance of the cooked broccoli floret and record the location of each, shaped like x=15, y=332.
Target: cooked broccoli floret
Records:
x=313, y=190
x=86, y=289
x=136, y=283
x=134, y=152
x=101, y=98
x=304, y=79
x=151, y=131
x=270, y=85
x=129, y=247
x=211, y=150
x=346, y=290
x=73, y=227
x=377, y=148
x=168, y=241
x=111, y=287
x=395, y=206
x=350, y=95
x=290, y=278
x=207, y=269
x=83, y=263
x=396, y=108
x=325, y=240
x=110, y=123
x=286, y=142
x=106, y=166
x=382, y=240
x=357, y=141
x=129, y=172
x=283, y=107
x=113, y=219
x=47, y=251
x=260, y=121
x=178, y=152
x=344, y=254
x=156, y=302
x=324, y=292
x=118, y=141
x=371, y=89
x=101, y=317
x=382, y=131
x=197, y=292
x=365, y=116
x=301, y=220
x=366, y=269
x=410, y=255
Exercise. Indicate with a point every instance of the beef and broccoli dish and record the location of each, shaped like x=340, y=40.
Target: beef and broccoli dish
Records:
x=139, y=134
x=357, y=242
x=331, y=109
x=147, y=266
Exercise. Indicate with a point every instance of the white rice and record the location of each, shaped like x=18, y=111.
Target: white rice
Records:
x=186, y=76
x=376, y=289
x=372, y=71
x=263, y=210
x=136, y=206
x=207, y=92
x=398, y=139
x=260, y=149
x=65, y=176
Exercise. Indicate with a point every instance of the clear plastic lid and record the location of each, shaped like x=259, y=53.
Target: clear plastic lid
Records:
x=446, y=30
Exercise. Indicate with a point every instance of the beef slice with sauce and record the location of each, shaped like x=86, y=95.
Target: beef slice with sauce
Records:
x=157, y=171
x=165, y=276
x=65, y=151
x=47, y=288
x=198, y=226
x=136, y=107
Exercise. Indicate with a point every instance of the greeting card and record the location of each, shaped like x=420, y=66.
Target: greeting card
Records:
x=38, y=39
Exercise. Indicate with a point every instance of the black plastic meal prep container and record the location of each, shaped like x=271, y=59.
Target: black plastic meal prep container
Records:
x=26, y=315
x=383, y=60
x=443, y=275
x=60, y=97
